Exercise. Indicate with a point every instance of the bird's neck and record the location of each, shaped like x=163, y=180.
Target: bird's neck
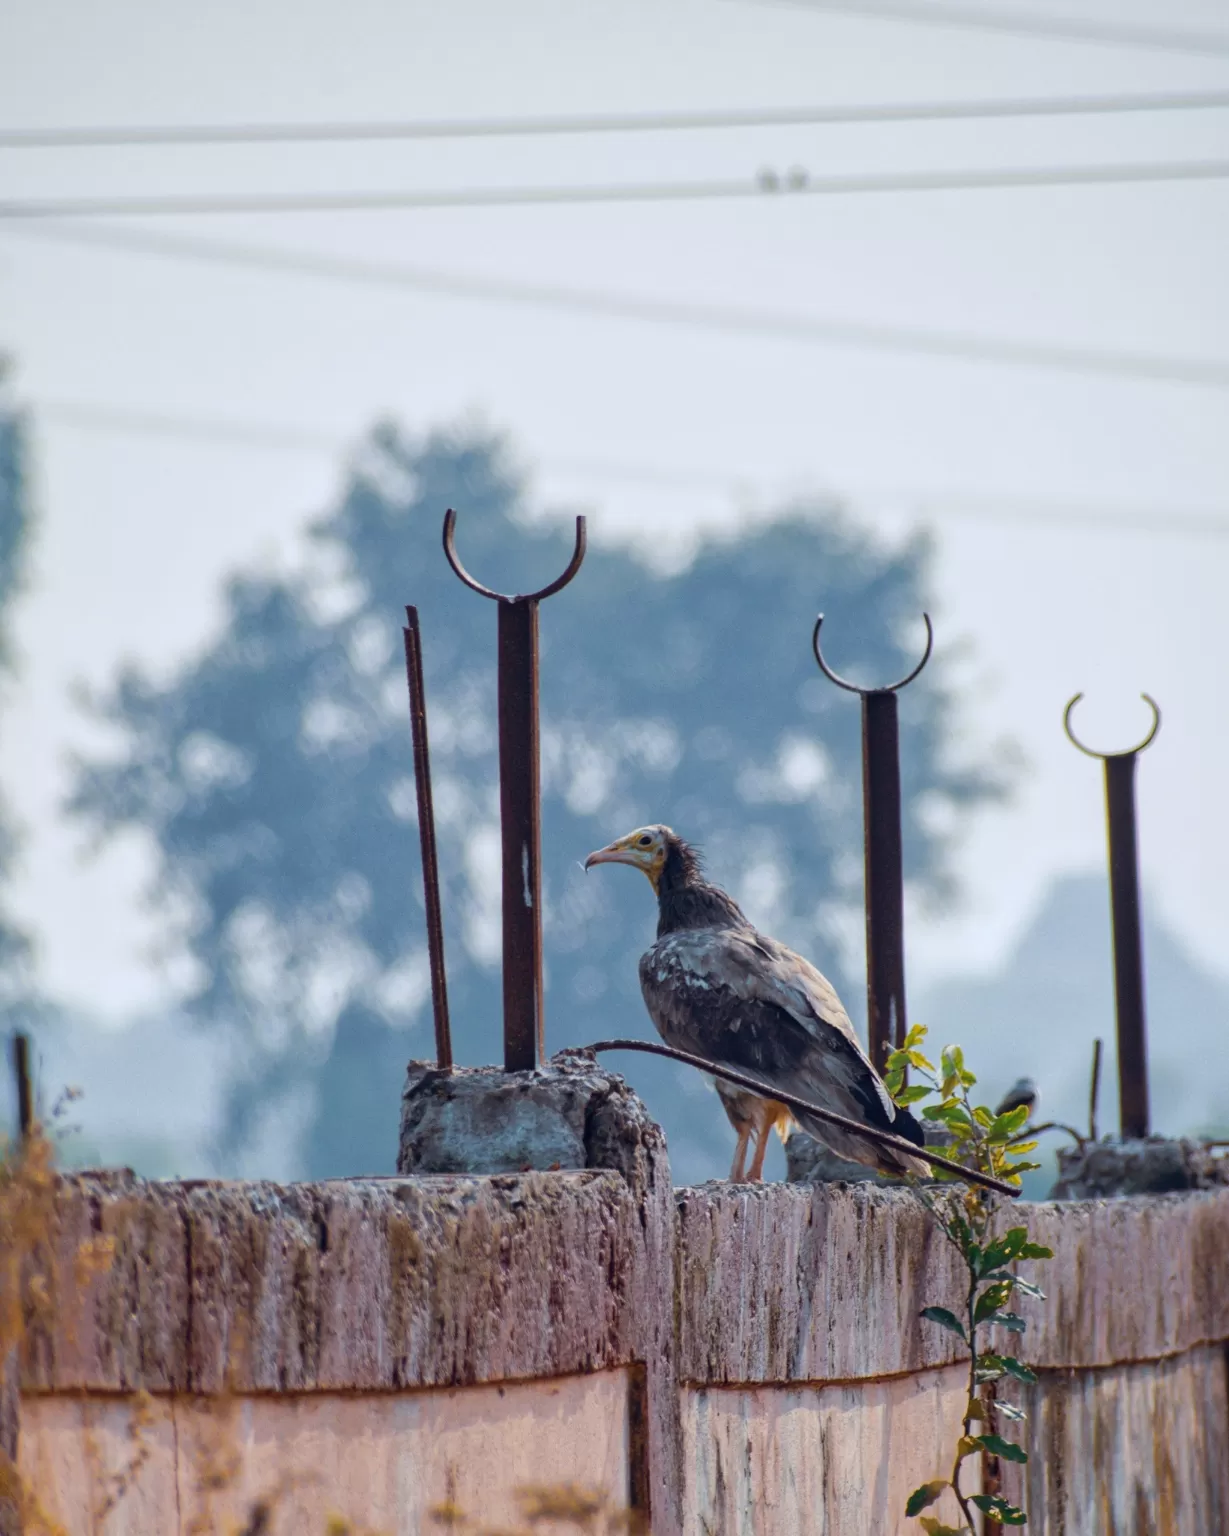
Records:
x=686, y=900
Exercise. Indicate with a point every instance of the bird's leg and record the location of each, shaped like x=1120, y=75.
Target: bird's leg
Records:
x=763, y=1126
x=737, y=1168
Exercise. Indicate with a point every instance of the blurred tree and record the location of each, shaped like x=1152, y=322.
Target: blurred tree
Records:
x=14, y=538
x=274, y=774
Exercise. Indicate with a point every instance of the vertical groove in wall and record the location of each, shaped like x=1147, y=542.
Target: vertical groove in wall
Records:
x=639, y=1483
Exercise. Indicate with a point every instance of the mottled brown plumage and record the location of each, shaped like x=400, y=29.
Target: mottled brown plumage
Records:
x=719, y=989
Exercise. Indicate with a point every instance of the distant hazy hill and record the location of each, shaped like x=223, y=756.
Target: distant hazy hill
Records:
x=1040, y=1013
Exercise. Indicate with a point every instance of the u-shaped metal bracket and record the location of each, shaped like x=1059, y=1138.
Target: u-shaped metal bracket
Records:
x=842, y=682
x=520, y=802
x=450, y=550
x=1106, y=756
x=1125, y=910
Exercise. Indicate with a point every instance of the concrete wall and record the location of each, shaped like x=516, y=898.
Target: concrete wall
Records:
x=722, y=1360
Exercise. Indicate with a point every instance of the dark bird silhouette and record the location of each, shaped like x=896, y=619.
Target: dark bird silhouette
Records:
x=1022, y=1091
x=716, y=987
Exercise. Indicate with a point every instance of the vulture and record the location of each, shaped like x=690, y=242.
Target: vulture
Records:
x=717, y=988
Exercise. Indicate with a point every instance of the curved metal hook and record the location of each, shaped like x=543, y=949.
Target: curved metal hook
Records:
x=835, y=677
x=450, y=550
x=1130, y=751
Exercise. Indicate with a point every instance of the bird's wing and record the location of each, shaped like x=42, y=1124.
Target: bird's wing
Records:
x=746, y=1001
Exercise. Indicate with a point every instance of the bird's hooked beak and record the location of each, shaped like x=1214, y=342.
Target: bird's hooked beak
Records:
x=630, y=850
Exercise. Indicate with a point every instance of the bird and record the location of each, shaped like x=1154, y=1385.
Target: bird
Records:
x=753, y=1118
x=716, y=987
x=1023, y=1092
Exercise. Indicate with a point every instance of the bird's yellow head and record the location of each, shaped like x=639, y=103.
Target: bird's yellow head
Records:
x=647, y=849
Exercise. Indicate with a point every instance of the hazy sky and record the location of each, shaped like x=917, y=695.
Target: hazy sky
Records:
x=1035, y=478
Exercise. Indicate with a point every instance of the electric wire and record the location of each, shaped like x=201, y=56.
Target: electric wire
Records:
x=984, y=508
x=1071, y=29
x=716, y=318
x=177, y=135
x=767, y=184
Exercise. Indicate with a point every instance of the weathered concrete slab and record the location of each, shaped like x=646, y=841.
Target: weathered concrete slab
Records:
x=383, y=1462
x=781, y=1283
x=378, y=1285
x=1131, y=1280
x=820, y=1460
x=1137, y=1450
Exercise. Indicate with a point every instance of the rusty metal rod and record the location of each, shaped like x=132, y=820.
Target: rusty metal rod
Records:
x=520, y=803
x=426, y=837
x=1127, y=924
x=885, y=890
x=25, y=1089
x=1094, y=1089
x=1128, y=945
x=521, y=827
x=792, y=1101
x=886, y=1011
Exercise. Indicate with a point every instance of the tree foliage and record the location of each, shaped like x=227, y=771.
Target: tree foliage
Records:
x=273, y=772
x=14, y=540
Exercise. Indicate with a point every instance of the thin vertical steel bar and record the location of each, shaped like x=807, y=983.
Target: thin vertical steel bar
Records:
x=25, y=1088
x=426, y=837
x=885, y=911
x=886, y=1012
x=520, y=823
x=1094, y=1089
x=520, y=803
x=1128, y=945
x=1123, y=841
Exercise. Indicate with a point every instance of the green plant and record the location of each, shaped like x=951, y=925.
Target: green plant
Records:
x=970, y=1220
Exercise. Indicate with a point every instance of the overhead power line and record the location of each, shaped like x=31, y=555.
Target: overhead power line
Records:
x=989, y=507
x=732, y=320
x=168, y=134
x=794, y=183
x=989, y=18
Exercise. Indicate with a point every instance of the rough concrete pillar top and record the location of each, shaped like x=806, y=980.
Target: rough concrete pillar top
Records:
x=569, y=1113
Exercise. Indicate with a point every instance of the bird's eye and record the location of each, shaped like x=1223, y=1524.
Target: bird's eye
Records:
x=645, y=841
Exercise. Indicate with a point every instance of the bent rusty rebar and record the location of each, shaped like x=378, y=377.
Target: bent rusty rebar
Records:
x=792, y=1101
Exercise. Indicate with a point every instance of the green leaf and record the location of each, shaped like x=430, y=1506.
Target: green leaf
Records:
x=952, y=1058
x=1003, y=1512
x=1003, y=1126
x=923, y=1497
x=912, y=1094
x=1036, y=1251
x=916, y=1059
x=983, y=1116
x=1025, y=1287
x=1010, y=1411
x=915, y=1036
x=1016, y=1369
x=1010, y=1246
x=934, y=1527
x=953, y=1115
x=945, y=1319
x=893, y=1078
x=997, y=1446
x=1009, y=1320
x=990, y=1300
